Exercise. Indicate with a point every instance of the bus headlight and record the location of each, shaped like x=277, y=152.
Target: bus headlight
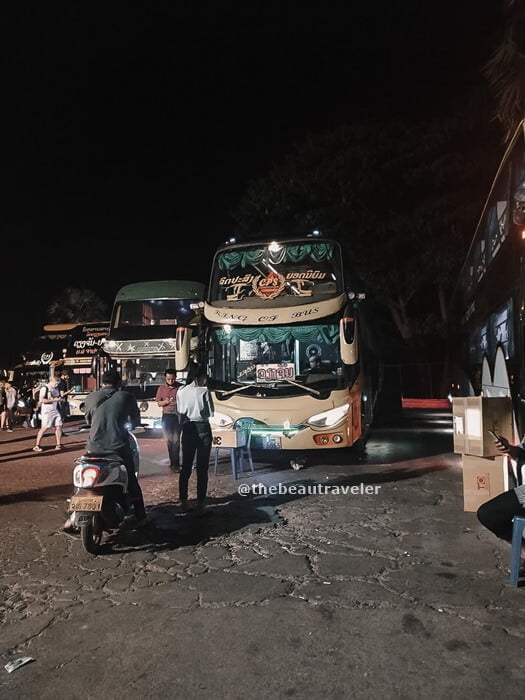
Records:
x=329, y=418
x=221, y=420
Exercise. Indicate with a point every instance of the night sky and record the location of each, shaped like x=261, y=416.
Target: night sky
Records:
x=150, y=119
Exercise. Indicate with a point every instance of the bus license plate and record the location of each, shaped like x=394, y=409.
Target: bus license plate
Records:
x=90, y=503
x=272, y=442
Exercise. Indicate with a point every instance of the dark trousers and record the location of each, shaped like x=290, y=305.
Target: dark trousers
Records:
x=171, y=429
x=496, y=515
x=134, y=490
x=10, y=412
x=196, y=438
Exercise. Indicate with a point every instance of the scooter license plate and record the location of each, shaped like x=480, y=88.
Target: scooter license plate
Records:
x=90, y=503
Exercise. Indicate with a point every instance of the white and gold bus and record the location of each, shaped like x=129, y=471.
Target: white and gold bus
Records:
x=274, y=308
x=154, y=326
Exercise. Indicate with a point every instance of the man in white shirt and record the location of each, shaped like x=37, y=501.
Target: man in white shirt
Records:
x=48, y=398
x=195, y=405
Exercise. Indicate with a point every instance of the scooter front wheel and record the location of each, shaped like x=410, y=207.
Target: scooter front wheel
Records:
x=91, y=534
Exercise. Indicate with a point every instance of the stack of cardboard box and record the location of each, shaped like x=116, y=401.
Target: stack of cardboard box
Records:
x=486, y=472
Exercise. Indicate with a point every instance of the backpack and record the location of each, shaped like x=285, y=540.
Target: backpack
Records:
x=40, y=397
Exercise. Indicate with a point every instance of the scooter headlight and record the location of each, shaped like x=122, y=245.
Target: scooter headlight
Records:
x=90, y=476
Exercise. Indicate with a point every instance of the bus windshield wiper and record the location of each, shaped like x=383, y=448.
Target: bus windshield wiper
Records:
x=239, y=388
x=303, y=386
x=315, y=392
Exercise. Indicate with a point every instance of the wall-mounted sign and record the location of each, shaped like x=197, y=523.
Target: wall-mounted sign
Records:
x=87, y=338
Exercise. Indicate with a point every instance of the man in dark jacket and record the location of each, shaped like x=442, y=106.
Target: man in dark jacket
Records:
x=109, y=412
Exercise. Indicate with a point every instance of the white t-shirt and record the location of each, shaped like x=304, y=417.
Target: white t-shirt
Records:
x=46, y=392
x=194, y=403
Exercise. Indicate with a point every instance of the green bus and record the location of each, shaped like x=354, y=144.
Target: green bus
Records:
x=154, y=326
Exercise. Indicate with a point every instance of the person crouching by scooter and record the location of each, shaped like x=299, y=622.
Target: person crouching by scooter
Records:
x=107, y=411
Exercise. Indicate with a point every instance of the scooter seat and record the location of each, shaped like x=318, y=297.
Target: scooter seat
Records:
x=108, y=457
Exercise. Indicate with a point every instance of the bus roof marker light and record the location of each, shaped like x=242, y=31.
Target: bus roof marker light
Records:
x=523, y=234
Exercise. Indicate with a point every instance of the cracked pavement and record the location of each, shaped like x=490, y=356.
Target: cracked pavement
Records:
x=398, y=593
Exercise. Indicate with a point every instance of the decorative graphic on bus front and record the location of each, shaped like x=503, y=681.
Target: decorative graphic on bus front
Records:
x=246, y=371
x=271, y=285
x=268, y=287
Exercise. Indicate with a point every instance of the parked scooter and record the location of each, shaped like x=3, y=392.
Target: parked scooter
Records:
x=101, y=500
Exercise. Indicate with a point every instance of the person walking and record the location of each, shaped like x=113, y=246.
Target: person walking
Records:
x=3, y=404
x=64, y=391
x=48, y=399
x=166, y=399
x=11, y=398
x=195, y=405
x=34, y=420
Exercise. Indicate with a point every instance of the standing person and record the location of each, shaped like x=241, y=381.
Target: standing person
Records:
x=195, y=406
x=64, y=390
x=496, y=515
x=166, y=399
x=11, y=397
x=48, y=399
x=107, y=413
x=3, y=404
x=34, y=418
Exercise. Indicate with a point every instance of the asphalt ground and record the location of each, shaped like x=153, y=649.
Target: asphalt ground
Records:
x=358, y=576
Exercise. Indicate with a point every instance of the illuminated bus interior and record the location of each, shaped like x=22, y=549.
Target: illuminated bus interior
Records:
x=275, y=361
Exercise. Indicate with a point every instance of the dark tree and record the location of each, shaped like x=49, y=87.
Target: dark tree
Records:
x=76, y=306
x=403, y=198
x=505, y=70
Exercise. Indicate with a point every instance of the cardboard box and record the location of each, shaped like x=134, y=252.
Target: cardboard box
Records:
x=484, y=478
x=229, y=438
x=473, y=416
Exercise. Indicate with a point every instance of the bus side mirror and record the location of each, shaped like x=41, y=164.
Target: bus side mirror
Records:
x=182, y=348
x=348, y=340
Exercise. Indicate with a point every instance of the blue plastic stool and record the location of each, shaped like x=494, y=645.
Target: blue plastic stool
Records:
x=518, y=525
x=238, y=453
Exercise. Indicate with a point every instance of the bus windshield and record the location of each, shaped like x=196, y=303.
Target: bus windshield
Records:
x=279, y=358
x=153, y=312
x=285, y=274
